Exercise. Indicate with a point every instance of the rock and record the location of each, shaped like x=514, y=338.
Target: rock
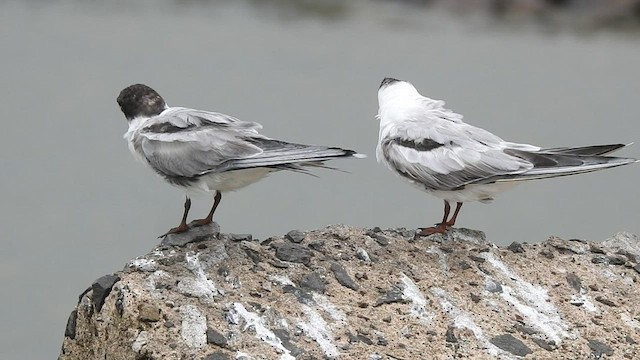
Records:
x=218, y=355
x=287, y=343
x=425, y=298
x=216, y=338
x=629, y=340
x=508, y=343
x=567, y=247
x=194, y=234
x=101, y=289
x=605, y=301
x=343, y=278
x=379, y=238
x=450, y=337
x=475, y=298
x=574, y=281
x=295, y=236
x=596, y=249
x=477, y=259
x=630, y=243
x=516, y=247
x=616, y=260
x=70, y=329
x=599, y=348
x=363, y=255
x=313, y=282
x=293, y=253
x=240, y=237
x=547, y=254
x=392, y=296
x=543, y=344
x=637, y=268
x=493, y=286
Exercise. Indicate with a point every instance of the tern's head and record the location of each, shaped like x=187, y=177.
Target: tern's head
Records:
x=397, y=93
x=140, y=100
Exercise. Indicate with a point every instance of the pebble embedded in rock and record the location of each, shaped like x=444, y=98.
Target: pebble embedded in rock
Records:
x=293, y=253
x=314, y=282
x=509, y=343
x=516, y=247
x=599, y=348
x=477, y=259
x=382, y=341
x=194, y=234
x=547, y=253
x=295, y=236
x=380, y=239
x=343, y=278
x=363, y=255
x=392, y=296
x=216, y=338
x=240, y=237
x=285, y=338
x=120, y=302
x=605, y=301
x=543, y=344
x=450, y=336
x=218, y=355
x=302, y=296
x=637, y=268
x=616, y=260
x=101, y=289
x=475, y=298
x=493, y=286
x=574, y=281
x=70, y=329
x=317, y=245
x=148, y=313
x=599, y=260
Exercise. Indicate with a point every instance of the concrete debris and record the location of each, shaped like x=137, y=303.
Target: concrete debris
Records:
x=352, y=293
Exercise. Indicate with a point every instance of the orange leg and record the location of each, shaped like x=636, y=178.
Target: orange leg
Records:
x=444, y=225
x=183, y=224
x=209, y=218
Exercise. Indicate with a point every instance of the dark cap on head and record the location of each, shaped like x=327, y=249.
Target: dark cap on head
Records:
x=388, y=81
x=140, y=100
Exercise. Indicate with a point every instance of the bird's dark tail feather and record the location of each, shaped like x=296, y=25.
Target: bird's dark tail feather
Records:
x=294, y=157
x=551, y=163
x=586, y=150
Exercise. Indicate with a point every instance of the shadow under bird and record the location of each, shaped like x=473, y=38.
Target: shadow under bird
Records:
x=203, y=151
x=433, y=149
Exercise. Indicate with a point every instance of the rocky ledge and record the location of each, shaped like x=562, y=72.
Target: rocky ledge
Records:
x=352, y=293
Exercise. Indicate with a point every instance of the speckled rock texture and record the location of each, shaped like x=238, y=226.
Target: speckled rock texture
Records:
x=352, y=293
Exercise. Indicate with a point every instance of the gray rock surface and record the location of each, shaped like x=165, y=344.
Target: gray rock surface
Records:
x=448, y=296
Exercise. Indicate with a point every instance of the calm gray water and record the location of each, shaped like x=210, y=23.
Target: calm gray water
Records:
x=75, y=205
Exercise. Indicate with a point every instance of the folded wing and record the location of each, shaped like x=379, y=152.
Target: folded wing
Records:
x=187, y=143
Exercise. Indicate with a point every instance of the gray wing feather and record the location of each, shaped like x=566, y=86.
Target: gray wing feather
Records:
x=452, y=166
x=186, y=143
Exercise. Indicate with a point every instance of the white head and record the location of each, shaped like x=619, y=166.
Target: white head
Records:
x=395, y=97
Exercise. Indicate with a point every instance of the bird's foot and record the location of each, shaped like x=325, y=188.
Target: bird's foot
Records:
x=176, y=230
x=439, y=229
x=201, y=222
